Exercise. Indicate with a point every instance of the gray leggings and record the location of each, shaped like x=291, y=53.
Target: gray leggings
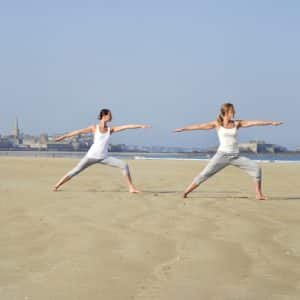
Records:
x=222, y=160
x=87, y=162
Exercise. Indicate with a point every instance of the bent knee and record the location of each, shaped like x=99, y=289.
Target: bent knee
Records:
x=125, y=168
x=258, y=174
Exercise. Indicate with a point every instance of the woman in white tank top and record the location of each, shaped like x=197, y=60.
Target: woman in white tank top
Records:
x=98, y=152
x=99, y=148
x=228, y=139
x=228, y=151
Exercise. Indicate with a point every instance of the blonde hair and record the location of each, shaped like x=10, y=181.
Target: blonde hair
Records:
x=225, y=108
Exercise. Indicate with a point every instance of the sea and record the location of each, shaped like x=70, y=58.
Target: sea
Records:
x=262, y=157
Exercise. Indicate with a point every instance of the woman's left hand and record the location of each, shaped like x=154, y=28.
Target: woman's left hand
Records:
x=277, y=123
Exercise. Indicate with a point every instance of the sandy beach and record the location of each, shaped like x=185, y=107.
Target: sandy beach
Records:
x=94, y=240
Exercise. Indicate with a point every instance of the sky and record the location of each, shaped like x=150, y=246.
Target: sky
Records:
x=166, y=63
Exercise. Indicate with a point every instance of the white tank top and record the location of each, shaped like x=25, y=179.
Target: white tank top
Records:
x=228, y=139
x=99, y=149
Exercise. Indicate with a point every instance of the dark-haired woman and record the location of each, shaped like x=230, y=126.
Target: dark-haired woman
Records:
x=228, y=151
x=98, y=152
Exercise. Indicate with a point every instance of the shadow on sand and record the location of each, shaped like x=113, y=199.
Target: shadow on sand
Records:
x=193, y=195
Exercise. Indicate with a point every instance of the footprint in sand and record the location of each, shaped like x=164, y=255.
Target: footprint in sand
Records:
x=151, y=288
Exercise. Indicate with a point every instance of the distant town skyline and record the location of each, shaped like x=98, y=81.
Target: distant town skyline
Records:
x=18, y=140
x=163, y=63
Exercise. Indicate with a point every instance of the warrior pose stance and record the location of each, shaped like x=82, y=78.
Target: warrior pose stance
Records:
x=98, y=153
x=228, y=151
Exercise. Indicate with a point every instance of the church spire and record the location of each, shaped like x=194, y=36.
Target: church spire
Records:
x=16, y=130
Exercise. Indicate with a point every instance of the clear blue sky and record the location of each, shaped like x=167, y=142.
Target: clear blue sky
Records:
x=166, y=63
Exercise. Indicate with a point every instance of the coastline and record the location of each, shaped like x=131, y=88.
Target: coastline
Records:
x=205, y=156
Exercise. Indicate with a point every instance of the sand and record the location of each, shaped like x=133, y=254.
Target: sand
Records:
x=93, y=240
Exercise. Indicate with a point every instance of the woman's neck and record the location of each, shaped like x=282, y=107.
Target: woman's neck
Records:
x=227, y=121
x=102, y=124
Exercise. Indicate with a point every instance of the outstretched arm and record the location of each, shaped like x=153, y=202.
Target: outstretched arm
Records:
x=205, y=126
x=244, y=124
x=74, y=133
x=125, y=127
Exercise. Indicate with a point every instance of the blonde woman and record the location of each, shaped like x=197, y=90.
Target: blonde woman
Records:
x=98, y=153
x=228, y=151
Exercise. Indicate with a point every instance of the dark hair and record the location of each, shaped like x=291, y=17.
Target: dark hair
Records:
x=103, y=112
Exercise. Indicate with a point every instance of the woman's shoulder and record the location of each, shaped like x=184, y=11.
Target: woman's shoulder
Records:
x=237, y=123
x=214, y=123
x=92, y=127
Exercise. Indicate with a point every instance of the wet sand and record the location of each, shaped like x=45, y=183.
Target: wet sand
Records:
x=94, y=240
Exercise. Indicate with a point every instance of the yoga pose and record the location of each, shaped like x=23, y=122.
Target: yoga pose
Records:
x=228, y=151
x=98, y=153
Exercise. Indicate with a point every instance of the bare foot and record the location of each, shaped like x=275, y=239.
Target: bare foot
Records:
x=261, y=197
x=133, y=190
x=184, y=195
x=55, y=189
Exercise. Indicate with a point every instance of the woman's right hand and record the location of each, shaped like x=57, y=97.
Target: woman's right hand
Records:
x=60, y=138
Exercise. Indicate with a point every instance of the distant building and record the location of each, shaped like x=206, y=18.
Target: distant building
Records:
x=255, y=147
x=260, y=147
x=5, y=144
x=15, y=137
x=118, y=148
x=16, y=130
x=43, y=138
x=29, y=140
